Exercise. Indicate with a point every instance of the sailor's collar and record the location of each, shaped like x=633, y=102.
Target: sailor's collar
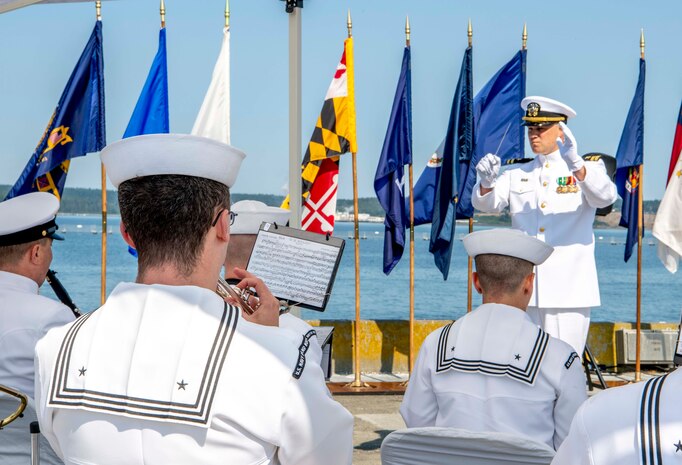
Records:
x=18, y=282
x=518, y=350
x=551, y=158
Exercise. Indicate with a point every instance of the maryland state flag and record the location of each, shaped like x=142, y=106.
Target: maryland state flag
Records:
x=334, y=135
x=76, y=127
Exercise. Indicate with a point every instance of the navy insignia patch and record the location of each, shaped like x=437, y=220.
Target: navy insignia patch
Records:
x=571, y=359
x=302, y=349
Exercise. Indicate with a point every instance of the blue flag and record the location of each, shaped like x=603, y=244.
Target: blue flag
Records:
x=497, y=117
x=76, y=127
x=151, y=111
x=389, y=180
x=459, y=145
x=150, y=115
x=629, y=157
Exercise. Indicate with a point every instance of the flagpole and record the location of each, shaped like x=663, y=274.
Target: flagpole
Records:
x=470, y=263
x=357, y=382
x=162, y=11
x=524, y=37
x=295, y=117
x=640, y=229
x=411, y=176
x=227, y=14
x=103, y=277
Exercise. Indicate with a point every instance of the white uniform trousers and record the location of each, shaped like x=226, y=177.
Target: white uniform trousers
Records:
x=571, y=325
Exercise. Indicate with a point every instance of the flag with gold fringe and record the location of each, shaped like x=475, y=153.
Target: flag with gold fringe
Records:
x=334, y=135
x=76, y=127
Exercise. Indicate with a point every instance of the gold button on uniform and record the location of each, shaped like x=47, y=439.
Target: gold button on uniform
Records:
x=547, y=165
x=544, y=184
x=543, y=205
x=542, y=229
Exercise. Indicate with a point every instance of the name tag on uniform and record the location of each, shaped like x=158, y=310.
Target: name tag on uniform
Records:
x=567, y=185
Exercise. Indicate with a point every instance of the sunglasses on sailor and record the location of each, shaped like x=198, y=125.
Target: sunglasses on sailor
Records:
x=233, y=215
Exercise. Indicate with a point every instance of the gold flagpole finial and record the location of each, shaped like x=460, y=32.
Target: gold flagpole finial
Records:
x=98, y=10
x=524, y=37
x=641, y=44
x=407, y=31
x=162, y=11
x=349, y=24
x=227, y=14
x=470, y=33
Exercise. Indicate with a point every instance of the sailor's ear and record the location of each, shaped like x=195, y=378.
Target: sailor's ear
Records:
x=126, y=236
x=528, y=284
x=477, y=282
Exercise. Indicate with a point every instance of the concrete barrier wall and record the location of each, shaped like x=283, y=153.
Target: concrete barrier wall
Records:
x=384, y=344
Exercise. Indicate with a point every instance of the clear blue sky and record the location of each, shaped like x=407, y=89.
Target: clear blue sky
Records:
x=584, y=53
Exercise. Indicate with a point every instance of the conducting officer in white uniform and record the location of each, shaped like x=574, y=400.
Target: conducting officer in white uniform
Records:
x=166, y=372
x=494, y=369
x=637, y=424
x=553, y=198
x=249, y=215
x=27, y=229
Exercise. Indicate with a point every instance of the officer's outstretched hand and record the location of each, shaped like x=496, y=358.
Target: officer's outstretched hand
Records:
x=568, y=148
x=266, y=305
x=488, y=169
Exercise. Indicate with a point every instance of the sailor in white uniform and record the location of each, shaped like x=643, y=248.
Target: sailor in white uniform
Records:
x=166, y=372
x=27, y=230
x=638, y=424
x=553, y=198
x=494, y=369
x=249, y=215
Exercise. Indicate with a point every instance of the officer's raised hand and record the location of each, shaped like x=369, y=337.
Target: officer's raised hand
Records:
x=568, y=148
x=488, y=169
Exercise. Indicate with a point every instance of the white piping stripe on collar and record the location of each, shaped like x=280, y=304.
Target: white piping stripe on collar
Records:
x=527, y=375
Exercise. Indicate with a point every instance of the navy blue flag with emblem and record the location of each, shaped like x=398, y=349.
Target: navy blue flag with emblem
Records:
x=497, y=117
x=76, y=127
x=151, y=111
x=459, y=142
x=497, y=122
x=629, y=157
x=389, y=180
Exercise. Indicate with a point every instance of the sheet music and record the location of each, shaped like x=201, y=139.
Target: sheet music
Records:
x=294, y=269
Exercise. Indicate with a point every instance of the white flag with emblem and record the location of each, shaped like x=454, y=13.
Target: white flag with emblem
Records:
x=213, y=119
x=668, y=223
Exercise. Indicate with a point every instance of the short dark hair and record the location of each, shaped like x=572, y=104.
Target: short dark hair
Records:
x=11, y=254
x=501, y=274
x=168, y=216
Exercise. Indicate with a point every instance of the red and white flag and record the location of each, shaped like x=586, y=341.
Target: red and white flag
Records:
x=668, y=223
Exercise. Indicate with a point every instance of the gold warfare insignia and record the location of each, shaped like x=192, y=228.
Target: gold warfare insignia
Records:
x=533, y=109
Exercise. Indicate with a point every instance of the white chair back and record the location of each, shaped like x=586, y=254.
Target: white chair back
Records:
x=451, y=446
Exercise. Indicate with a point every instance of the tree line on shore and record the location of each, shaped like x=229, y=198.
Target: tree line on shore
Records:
x=88, y=201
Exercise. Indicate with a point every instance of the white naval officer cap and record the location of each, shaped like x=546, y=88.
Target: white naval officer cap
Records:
x=543, y=111
x=28, y=217
x=181, y=154
x=509, y=242
x=251, y=213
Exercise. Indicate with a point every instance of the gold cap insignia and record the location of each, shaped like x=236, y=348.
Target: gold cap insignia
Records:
x=533, y=109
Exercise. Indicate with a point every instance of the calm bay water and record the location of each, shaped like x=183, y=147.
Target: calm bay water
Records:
x=77, y=261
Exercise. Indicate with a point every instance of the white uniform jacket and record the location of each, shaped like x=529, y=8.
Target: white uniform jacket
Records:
x=494, y=370
x=547, y=202
x=25, y=317
x=304, y=335
x=172, y=375
x=630, y=425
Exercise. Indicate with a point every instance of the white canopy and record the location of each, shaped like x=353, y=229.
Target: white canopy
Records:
x=9, y=5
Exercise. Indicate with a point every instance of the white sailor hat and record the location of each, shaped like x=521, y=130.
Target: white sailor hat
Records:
x=509, y=242
x=543, y=111
x=251, y=213
x=28, y=217
x=181, y=154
